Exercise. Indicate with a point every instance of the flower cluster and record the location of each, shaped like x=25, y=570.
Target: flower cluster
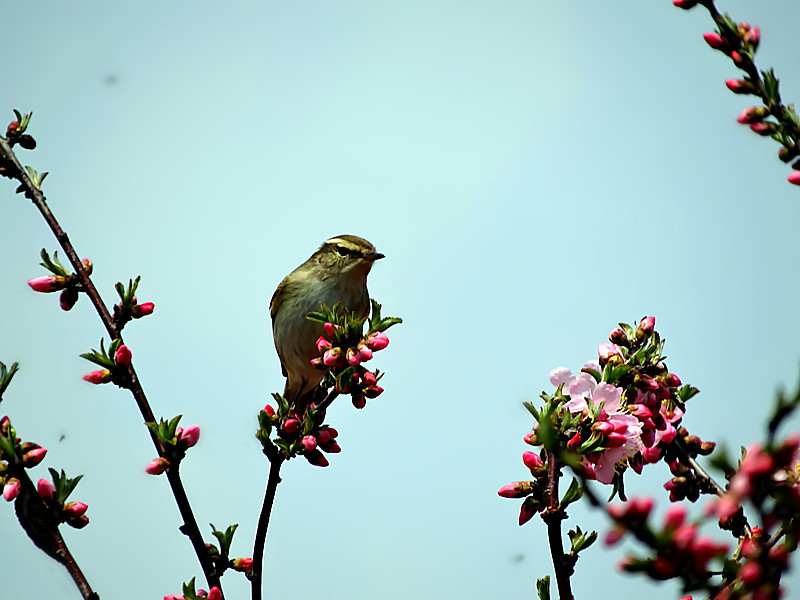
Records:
x=680, y=550
x=189, y=593
x=61, y=280
x=175, y=441
x=759, y=569
x=14, y=456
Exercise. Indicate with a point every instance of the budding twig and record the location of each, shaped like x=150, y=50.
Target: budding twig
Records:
x=32, y=192
x=274, y=479
x=553, y=516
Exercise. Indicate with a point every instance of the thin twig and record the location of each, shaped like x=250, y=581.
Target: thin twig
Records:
x=553, y=516
x=263, y=522
x=37, y=197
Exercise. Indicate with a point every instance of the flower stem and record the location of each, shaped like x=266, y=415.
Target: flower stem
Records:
x=274, y=479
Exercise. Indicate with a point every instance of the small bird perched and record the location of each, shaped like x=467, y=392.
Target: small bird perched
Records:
x=336, y=272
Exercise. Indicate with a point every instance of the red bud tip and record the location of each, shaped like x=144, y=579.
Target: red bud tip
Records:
x=316, y=458
x=685, y=4
x=269, y=410
x=716, y=41
x=532, y=460
x=11, y=489
x=157, y=466
x=87, y=265
x=12, y=127
x=98, y=377
x=45, y=489
x=47, y=283
x=214, y=594
x=517, y=489
x=330, y=330
x=794, y=178
x=189, y=436
x=323, y=344
x=309, y=442
x=290, y=426
x=142, y=310
x=752, y=37
x=762, y=129
x=123, y=355
x=75, y=509
x=242, y=564
x=377, y=341
x=34, y=457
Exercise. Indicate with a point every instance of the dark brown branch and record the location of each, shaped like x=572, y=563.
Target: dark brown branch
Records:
x=37, y=197
x=553, y=516
x=263, y=522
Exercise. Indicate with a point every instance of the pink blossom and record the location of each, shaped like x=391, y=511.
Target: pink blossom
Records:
x=188, y=437
x=11, y=489
x=606, y=350
x=309, y=442
x=157, y=466
x=123, y=355
x=98, y=377
x=377, y=341
x=47, y=283
x=34, y=457
x=45, y=489
x=75, y=509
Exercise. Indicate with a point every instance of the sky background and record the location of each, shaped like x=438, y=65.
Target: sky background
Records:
x=535, y=172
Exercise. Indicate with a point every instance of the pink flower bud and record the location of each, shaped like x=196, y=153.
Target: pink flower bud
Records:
x=794, y=178
x=142, y=310
x=331, y=447
x=373, y=391
x=5, y=423
x=123, y=355
x=45, y=489
x=526, y=512
x=517, y=489
x=98, y=377
x=716, y=41
x=242, y=564
x=214, y=594
x=606, y=349
x=189, y=436
x=33, y=457
x=317, y=363
x=334, y=433
x=753, y=114
x=47, y=283
x=323, y=436
x=12, y=127
x=157, y=466
x=740, y=60
x=647, y=325
x=87, y=265
x=309, y=442
x=369, y=378
x=75, y=509
x=174, y=597
x=332, y=357
x=323, y=344
x=291, y=425
x=358, y=401
x=651, y=454
x=365, y=351
x=11, y=489
x=377, y=341
x=672, y=380
x=316, y=458
x=330, y=330
x=762, y=129
x=675, y=516
x=353, y=357
x=269, y=410
x=752, y=37
x=685, y=4
x=532, y=461
x=740, y=86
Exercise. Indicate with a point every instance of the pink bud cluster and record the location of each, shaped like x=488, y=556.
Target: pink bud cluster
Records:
x=67, y=285
x=72, y=513
x=183, y=439
x=213, y=594
x=122, y=358
x=760, y=571
x=362, y=384
x=680, y=550
x=530, y=490
x=310, y=441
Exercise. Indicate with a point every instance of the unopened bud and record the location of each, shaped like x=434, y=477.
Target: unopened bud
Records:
x=330, y=330
x=794, y=178
x=332, y=357
x=316, y=458
x=291, y=425
x=647, y=325
x=377, y=341
x=47, y=283
x=157, y=466
x=45, y=489
x=752, y=37
x=753, y=114
x=11, y=489
x=87, y=265
x=517, y=489
x=142, y=310
x=716, y=41
x=740, y=86
x=763, y=129
x=323, y=344
x=373, y=391
x=242, y=564
x=309, y=442
x=98, y=377
x=188, y=437
x=75, y=509
x=532, y=461
x=33, y=457
x=365, y=351
x=685, y=4
x=359, y=401
x=618, y=337
x=68, y=298
x=123, y=355
x=214, y=594
x=740, y=60
x=353, y=357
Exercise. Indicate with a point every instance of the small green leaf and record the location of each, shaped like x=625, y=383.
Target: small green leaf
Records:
x=573, y=493
x=543, y=587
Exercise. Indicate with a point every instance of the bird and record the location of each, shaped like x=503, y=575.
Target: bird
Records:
x=336, y=272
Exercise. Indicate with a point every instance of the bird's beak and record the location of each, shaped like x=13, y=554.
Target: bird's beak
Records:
x=374, y=256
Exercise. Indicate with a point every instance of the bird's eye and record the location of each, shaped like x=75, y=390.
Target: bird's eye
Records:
x=343, y=251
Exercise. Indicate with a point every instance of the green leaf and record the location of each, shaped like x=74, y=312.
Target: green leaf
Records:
x=543, y=587
x=573, y=493
x=5, y=376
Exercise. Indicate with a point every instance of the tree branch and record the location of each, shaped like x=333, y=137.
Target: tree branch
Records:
x=263, y=522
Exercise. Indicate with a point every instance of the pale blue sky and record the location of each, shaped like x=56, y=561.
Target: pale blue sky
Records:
x=534, y=171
